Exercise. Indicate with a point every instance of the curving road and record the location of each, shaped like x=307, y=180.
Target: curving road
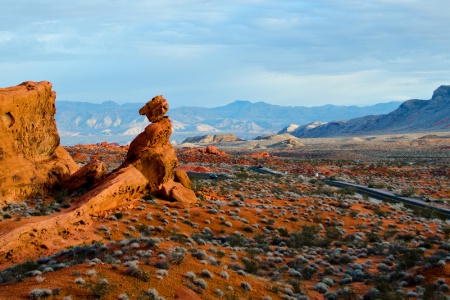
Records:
x=265, y=170
x=383, y=195
x=205, y=175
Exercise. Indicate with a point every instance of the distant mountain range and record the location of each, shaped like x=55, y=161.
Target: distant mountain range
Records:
x=412, y=116
x=83, y=122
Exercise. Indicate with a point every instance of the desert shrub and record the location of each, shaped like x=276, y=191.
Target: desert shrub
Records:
x=346, y=294
x=198, y=254
x=382, y=267
x=373, y=237
x=201, y=283
x=177, y=255
x=191, y=275
x=328, y=281
x=39, y=293
x=250, y=265
x=134, y=271
x=206, y=274
x=333, y=233
x=224, y=275
x=153, y=294
x=219, y=293
x=330, y=296
x=389, y=233
x=246, y=286
x=409, y=258
x=349, y=190
x=321, y=287
x=220, y=253
x=149, y=196
x=283, y=232
x=100, y=289
x=80, y=280
x=379, y=212
x=296, y=285
x=306, y=237
x=123, y=296
x=162, y=264
x=408, y=192
x=18, y=272
x=308, y=272
x=56, y=291
x=162, y=272
x=384, y=288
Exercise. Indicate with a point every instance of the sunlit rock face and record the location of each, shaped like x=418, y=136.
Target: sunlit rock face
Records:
x=31, y=158
x=154, y=156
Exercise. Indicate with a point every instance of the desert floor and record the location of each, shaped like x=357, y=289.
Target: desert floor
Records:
x=252, y=235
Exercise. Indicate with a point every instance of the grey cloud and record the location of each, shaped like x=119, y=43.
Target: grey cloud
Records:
x=216, y=52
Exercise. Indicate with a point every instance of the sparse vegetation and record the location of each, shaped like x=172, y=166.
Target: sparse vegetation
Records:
x=259, y=236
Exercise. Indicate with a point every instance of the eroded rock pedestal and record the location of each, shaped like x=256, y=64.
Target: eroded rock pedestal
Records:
x=31, y=161
x=31, y=158
x=154, y=156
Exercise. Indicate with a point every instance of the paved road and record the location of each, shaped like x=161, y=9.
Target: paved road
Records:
x=383, y=195
x=265, y=170
x=205, y=175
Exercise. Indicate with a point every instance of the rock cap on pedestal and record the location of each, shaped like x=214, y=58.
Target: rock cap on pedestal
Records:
x=155, y=109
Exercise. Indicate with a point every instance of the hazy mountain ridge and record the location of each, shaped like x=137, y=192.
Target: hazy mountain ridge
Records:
x=411, y=116
x=84, y=122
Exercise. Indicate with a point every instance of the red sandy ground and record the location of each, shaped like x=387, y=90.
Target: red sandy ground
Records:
x=309, y=213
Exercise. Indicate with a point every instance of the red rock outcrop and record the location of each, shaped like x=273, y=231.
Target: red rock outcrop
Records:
x=31, y=158
x=183, y=293
x=47, y=234
x=182, y=177
x=86, y=177
x=212, y=150
x=175, y=191
x=261, y=155
x=154, y=156
x=150, y=164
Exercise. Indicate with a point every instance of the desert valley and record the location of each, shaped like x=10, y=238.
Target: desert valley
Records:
x=220, y=217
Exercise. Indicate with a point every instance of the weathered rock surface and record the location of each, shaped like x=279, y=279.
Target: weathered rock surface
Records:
x=184, y=293
x=151, y=151
x=31, y=158
x=175, y=191
x=182, y=177
x=66, y=229
x=155, y=109
x=86, y=177
x=212, y=150
x=212, y=139
x=154, y=156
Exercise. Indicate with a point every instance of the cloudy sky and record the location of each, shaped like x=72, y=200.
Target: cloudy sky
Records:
x=210, y=53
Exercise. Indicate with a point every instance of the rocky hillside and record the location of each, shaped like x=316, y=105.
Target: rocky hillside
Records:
x=412, y=116
x=212, y=139
x=81, y=122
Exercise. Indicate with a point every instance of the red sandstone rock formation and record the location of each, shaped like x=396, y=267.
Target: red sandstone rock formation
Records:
x=154, y=156
x=150, y=164
x=183, y=293
x=65, y=229
x=261, y=155
x=86, y=177
x=31, y=158
x=212, y=150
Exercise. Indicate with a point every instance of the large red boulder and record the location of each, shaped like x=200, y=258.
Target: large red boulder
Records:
x=31, y=158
